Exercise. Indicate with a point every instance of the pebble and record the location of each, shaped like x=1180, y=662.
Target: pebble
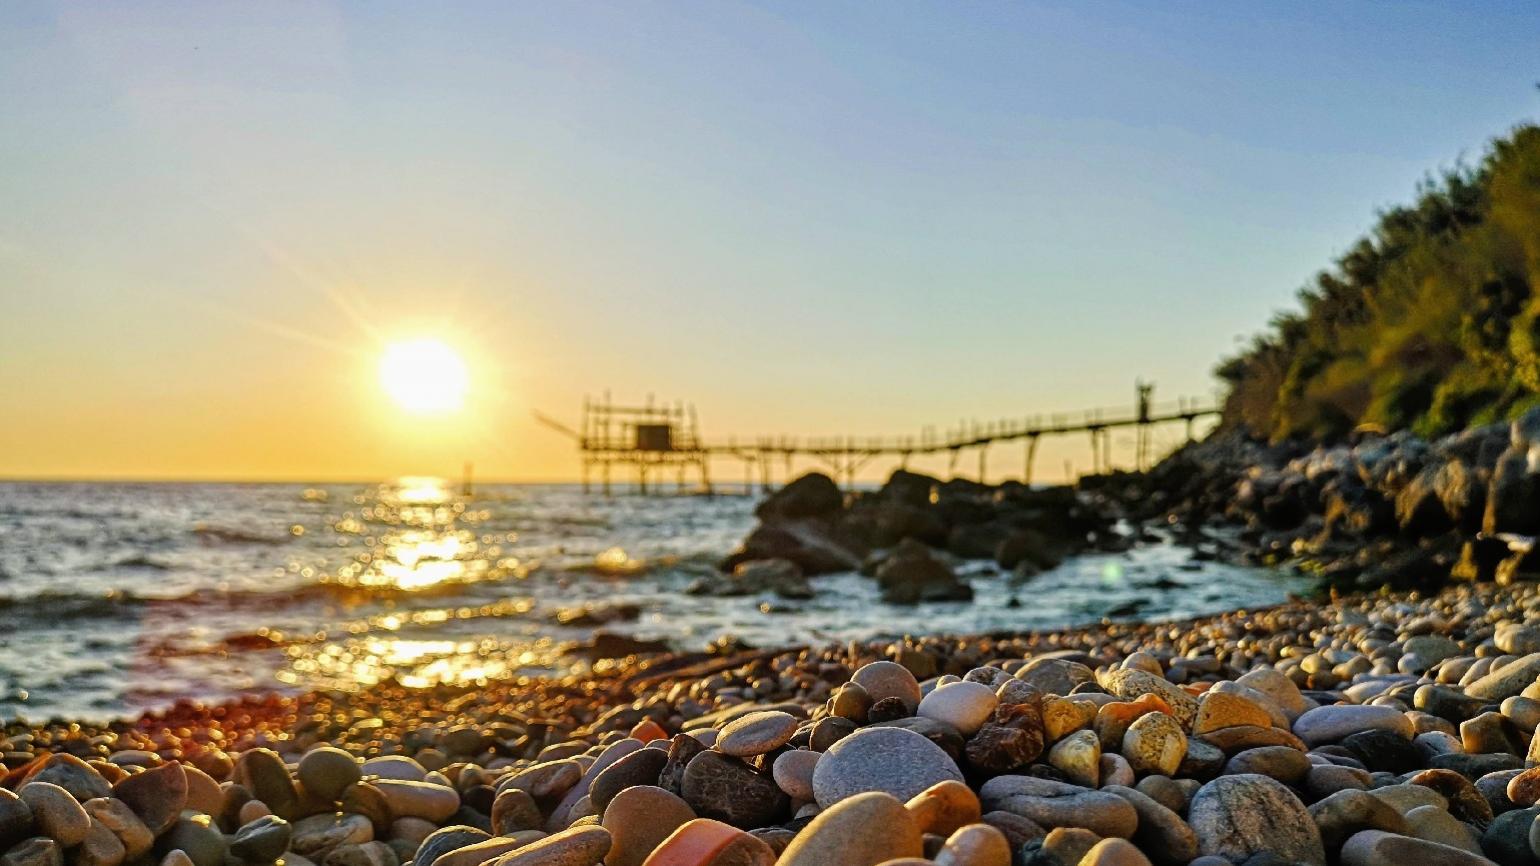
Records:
x=80, y=779
x=514, y=810
x=1378, y=848
x=1060, y=804
x=1332, y=723
x=1055, y=676
x=895, y=761
x=1437, y=825
x=1155, y=743
x=726, y=789
x=1114, y=852
x=485, y=850
x=1237, y=816
x=443, y=841
x=56, y=813
x=889, y=680
x=326, y=772
x=1131, y=684
x=639, y=819
x=1063, y=716
x=964, y=705
x=157, y=795
x=15, y=819
x=863, y=829
x=944, y=808
x=1079, y=757
x=756, y=733
x=793, y=772
x=640, y=767
x=263, y=840
x=1508, y=680
x=423, y=800
x=1347, y=812
x=199, y=843
x=1219, y=709
x=37, y=851
x=394, y=767
x=262, y=772
x=1160, y=830
x=975, y=845
x=1287, y=765
x=577, y=846
x=121, y=820
x=320, y=833
x=100, y=848
x=704, y=842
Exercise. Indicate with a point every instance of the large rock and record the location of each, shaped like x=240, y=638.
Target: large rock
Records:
x=1512, y=497
x=780, y=576
x=1236, y=817
x=813, y=495
x=1419, y=511
x=911, y=574
x=810, y=543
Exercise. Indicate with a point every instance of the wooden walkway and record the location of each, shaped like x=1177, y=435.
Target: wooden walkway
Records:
x=656, y=440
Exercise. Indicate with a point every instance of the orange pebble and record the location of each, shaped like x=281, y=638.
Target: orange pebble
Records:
x=944, y=807
x=704, y=842
x=648, y=730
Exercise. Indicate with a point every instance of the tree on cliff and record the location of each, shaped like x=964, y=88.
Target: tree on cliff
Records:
x=1430, y=322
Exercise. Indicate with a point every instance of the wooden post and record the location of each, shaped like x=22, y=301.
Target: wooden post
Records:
x=983, y=458
x=1031, y=458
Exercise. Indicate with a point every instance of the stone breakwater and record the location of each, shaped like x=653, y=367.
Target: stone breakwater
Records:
x=910, y=534
x=1373, y=730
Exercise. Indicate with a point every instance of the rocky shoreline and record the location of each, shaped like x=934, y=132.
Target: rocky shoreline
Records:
x=1378, y=729
x=1392, y=511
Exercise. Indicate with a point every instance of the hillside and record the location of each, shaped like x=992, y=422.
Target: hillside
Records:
x=1429, y=323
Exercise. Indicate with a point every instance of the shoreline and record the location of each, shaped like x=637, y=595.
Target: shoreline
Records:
x=1298, y=710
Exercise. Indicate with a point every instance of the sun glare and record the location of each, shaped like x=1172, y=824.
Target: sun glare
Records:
x=424, y=376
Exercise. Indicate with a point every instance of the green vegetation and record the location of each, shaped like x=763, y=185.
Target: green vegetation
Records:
x=1429, y=323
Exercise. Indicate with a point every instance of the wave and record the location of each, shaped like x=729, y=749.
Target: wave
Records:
x=143, y=560
x=50, y=607
x=229, y=535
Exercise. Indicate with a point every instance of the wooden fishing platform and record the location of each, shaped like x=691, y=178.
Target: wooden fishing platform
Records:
x=659, y=440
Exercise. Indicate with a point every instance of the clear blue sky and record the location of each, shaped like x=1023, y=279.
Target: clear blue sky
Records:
x=807, y=218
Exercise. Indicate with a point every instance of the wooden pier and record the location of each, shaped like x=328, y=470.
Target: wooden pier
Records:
x=662, y=441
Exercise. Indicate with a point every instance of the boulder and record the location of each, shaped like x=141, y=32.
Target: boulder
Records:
x=911, y=574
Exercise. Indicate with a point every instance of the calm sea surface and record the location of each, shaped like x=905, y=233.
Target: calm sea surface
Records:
x=115, y=598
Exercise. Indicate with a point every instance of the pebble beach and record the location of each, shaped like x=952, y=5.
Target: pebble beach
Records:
x=1377, y=729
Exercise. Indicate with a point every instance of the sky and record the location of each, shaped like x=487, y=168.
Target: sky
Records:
x=817, y=218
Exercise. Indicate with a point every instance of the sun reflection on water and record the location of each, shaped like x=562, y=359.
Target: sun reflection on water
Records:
x=418, y=537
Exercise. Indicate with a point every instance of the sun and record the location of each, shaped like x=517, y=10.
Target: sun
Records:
x=424, y=376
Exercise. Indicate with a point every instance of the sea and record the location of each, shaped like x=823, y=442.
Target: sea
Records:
x=117, y=598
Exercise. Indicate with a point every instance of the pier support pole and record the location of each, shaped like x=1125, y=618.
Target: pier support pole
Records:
x=983, y=462
x=1026, y=475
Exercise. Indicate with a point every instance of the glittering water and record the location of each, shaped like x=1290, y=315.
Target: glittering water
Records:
x=119, y=597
